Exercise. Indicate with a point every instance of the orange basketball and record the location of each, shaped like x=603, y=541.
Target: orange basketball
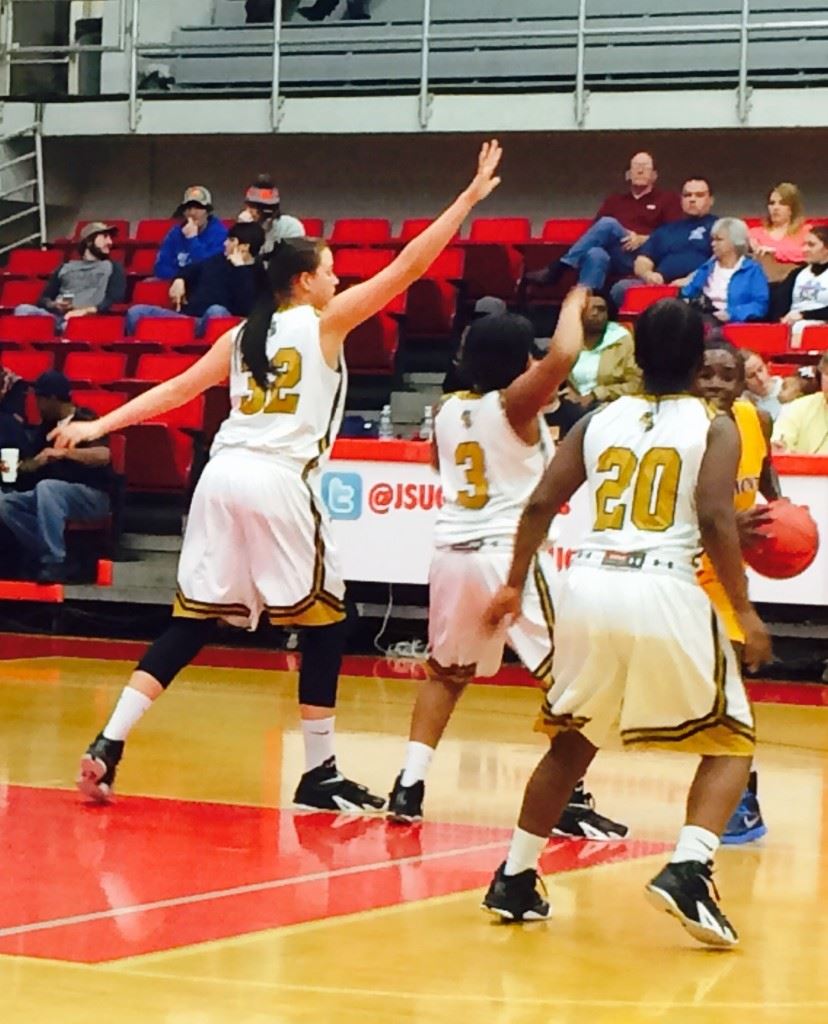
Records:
x=790, y=542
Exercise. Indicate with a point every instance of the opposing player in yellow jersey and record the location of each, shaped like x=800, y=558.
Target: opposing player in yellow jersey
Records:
x=722, y=380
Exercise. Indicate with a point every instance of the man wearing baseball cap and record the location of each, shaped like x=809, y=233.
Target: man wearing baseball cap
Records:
x=53, y=485
x=199, y=236
x=87, y=285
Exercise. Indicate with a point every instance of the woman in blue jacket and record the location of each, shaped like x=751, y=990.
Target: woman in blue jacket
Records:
x=730, y=287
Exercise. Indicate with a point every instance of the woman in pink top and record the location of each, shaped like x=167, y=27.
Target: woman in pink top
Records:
x=777, y=243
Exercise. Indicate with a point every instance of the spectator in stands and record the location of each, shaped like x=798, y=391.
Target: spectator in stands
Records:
x=262, y=205
x=798, y=385
x=730, y=287
x=676, y=250
x=622, y=225
x=802, y=427
x=55, y=485
x=355, y=10
x=761, y=388
x=87, y=285
x=777, y=242
x=805, y=292
x=12, y=410
x=223, y=285
x=199, y=236
x=606, y=367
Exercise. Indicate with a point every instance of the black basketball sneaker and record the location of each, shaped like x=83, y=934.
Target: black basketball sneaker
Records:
x=516, y=897
x=405, y=803
x=580, y=820
x=687, y=891
x=98, y=766
x=326, y=789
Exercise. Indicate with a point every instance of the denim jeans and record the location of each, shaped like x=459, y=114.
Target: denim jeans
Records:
x=620, y=289
x=37, y=518
x=26, y=309
x=136, y=313
x=598, y=252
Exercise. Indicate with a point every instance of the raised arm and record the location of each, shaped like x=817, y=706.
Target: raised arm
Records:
x=526, y=396
x=212, y=368
x=357, y=304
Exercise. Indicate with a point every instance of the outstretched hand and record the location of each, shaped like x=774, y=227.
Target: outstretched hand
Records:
x=72, y=434
x=485, y=181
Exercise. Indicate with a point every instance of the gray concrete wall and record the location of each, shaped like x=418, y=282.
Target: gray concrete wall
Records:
x=544, y=175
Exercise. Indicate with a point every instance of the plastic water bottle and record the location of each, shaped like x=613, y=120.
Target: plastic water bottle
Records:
x=386, y=426
x=427, y=425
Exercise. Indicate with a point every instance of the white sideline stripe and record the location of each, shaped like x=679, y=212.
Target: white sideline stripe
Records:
x=240, y=890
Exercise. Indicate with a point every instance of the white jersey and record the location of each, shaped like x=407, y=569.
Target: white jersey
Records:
x=300, y=413
x=642, y=456
x=487, y=472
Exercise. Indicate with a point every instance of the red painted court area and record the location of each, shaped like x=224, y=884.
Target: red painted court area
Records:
x=91, y=884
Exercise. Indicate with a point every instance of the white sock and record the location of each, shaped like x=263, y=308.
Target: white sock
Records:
x=318, y=734
x=524, y=852
x=695, y=843
x=417, y=761
x=130, y=708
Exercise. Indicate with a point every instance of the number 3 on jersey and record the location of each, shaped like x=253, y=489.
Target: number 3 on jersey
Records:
x=470, y=458
x=286, y=365
x=654, y=491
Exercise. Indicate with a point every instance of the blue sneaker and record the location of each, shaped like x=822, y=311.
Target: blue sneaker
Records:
x=746, y=824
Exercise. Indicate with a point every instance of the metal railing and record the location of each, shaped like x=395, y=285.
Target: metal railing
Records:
x=38, y=206
x=129, y=43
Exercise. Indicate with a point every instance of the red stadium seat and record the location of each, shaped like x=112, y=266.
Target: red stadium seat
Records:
x=783, y=369
x=372, y=347
x=160, y=453
x=448, y=266
x=89, y=368
x=314, y=226
x=33, y=262
x=142, y=263
x=97, y=330
x=430, y=309
x=565, y=231
x=492, y=270
x=765, y=339
x=26, y=328
x=640, y=297
x=168, y=331
x=17, y=292
x=162, y=367
x=152, y=293
x=218, y=325
x=152, y=232
x=28, y=365
x=99, y=401
x=504, y=230
x=415, y=226
x=361, y=231
x=352, y=265
x=813, y=339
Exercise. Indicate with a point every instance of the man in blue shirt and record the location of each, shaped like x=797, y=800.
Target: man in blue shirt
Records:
x=673, y=252
x=197, y=238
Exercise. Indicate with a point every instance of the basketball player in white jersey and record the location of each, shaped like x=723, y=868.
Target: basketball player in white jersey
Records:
x=258, y=539
x=638, y=648
x=491, y=447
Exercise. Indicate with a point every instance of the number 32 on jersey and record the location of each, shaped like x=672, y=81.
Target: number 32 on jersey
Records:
x=286, y=366
x=651, y=483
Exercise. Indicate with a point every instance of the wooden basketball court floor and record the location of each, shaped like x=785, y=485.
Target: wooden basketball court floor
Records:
x=201, y=897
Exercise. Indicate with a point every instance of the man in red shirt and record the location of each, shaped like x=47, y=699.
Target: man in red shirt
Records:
x=622, y=225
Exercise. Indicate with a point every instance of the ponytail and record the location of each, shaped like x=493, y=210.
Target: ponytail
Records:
x=287, y=260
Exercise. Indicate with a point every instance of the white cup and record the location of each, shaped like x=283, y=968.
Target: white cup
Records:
x=10, y=458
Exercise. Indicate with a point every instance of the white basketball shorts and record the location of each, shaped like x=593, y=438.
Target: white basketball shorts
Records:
x=643, y=654
x=258, y=542
x=461, y=584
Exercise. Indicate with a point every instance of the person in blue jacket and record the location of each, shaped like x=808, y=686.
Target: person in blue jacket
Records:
x=730, y=287
x=197, y=238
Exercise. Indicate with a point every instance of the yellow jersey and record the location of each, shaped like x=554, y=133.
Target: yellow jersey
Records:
x=754, y=452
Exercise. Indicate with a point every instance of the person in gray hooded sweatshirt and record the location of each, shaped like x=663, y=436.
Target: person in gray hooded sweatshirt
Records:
x=91, y=284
